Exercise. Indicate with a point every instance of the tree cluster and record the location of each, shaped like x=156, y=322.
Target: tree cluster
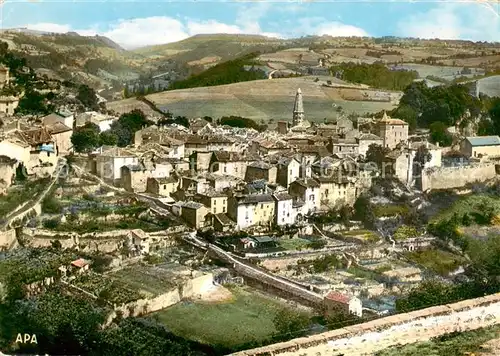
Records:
x=228, y=72
x=376, y=75
x=242, y=122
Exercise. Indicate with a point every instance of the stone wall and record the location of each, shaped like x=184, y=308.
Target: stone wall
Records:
x=454, y=177
x=7, y=239
x=400, y=329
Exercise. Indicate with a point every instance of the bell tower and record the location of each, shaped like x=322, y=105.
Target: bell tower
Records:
x=298, y=109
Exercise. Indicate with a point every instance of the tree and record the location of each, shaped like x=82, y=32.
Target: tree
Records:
x=422, y=156
x=126, y=126
x=440, y=134
x=376, y=154
x=87, y=97
x=363, y=211
x=290, y=324
x=107, y=138
x=408, y=114
x=86, y=138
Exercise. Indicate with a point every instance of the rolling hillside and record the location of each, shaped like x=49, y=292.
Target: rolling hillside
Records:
x=264, y=100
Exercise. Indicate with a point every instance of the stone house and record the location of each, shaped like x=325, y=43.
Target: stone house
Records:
x=367, y=139
x=101, y=120
x=197, y=125
x=220, y=182
x=344, y=125
x=43, y=155
x=4, y=75
x=79, y=266
x=162, y=186
x=326, y=130
x=139, y=242
x=434, y=150
x=250, y=210
x=221, y=222
x=481, y=146
x=173, y=148
x=267, y=147
x=288, y=171
x=308, y=191
x=230, y=163
x=51, y=119
x=16, y=148
x=216, y=202
x=62, y=136
x=261, y=171
x=343, y=147
x=110, y=160
x=201, y=161
x=8, y=104
x=335, y=302
x=194, y=214
x=392, y=131
x=399, y=163
x=134, y=177
x=337, y=190
x=284, y=212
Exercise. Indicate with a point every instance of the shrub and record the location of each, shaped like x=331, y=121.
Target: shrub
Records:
x=51, y=223
x=50, y=205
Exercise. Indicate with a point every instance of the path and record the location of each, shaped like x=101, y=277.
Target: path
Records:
x=61, y=164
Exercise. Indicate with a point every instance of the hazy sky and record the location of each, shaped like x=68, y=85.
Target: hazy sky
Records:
x=140, y=23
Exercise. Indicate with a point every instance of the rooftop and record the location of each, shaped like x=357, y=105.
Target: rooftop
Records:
x=484, y=140
x=338, y=297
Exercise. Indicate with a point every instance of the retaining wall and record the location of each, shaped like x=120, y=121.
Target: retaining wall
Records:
x=7, y=239
x=454, y=177
x=400, y=329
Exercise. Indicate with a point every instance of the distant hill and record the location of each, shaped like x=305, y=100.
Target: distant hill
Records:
x=73, y=57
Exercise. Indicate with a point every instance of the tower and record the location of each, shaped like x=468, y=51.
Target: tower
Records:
x=298, y=109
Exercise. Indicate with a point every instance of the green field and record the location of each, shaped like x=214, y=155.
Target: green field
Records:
x=452, y=345
x=468, y=204
x=440, y=262
x=294, y=244
x=246, y=318
x=279, y=109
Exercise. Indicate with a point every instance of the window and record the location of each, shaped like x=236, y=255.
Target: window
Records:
x=224, y=209
x=225, y=169
x=236, y=169
x=326, y=191
x=215, y=201
x=215, y=210
x=311, y=197
x=164, y=186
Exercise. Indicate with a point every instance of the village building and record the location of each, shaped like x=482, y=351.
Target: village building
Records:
x=261, y=171
x=8, y=104
x=42, y=151
x=194, y=214
x=480, y=146
x=196, y=125
x=392, y=131
x=216, y=202
x=336, y=302
x=65, y=118
x=200, y=161
x=308, y=191
x=230, y=163
x=7, y=172
x=343, y=147
x=134, y=177
x=162, y=186
x=110, y=160
x=62, y=136
x=366, y=140
x=284, y=212
x=337, y=190
x=288, y=171
x=101, y=120
x=221, y=222
x=250, y=210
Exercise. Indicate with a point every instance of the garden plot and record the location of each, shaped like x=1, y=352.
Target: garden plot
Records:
x=20, y=193
x=440, y=262
x=363, y=236
x=151, y=281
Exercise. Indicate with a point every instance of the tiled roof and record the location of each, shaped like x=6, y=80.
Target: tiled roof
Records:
x=369, y=137
x=307, y=183
x=52, y=119
x=193, y=205
x=338, y=297
x=36, y=136
x=166, y=180
x=484, y=140
x=57, y=128
x=256, y=198
x=282, y=196
x=387, y=120
x=224, y=219
x=79, y=263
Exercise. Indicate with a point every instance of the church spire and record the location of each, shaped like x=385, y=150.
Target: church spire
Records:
x=298, y=109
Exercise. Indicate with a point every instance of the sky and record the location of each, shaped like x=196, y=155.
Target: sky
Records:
x=139, y=23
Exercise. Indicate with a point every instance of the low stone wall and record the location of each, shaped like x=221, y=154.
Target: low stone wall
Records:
x=454, y=177
x=400, y=329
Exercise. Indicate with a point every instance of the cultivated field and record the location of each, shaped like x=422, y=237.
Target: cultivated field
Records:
x=444, y=72
x=490, y=85
x=260, y=100
x=247, y=317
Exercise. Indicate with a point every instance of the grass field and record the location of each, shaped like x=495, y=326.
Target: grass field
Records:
x=248, y=317
x=468, y=204
x=294, y=244
x=445, y=72
x=440, y=262
x=465, y=343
